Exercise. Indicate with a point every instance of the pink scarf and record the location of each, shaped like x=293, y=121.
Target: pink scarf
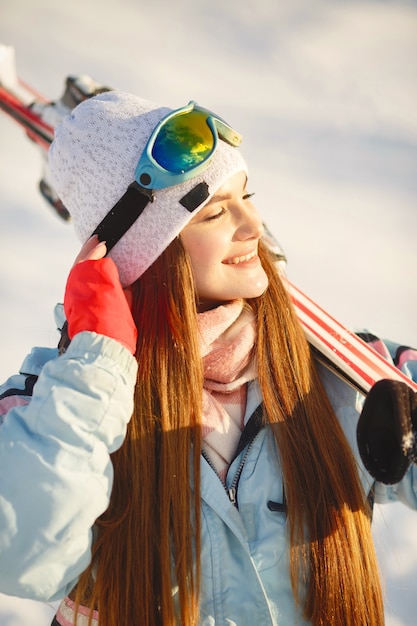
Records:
x=227, y=338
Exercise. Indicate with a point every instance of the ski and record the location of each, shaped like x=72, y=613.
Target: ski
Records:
x=16, y=99
x=336, y=347
x=36, y=129
x=333, y=344
x=38, y=116
x=340, y=349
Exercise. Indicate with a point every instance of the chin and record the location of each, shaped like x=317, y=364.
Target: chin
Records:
x=259, y=288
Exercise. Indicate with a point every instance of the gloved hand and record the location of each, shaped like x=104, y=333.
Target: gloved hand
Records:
x=387, y=431
x=94, y=298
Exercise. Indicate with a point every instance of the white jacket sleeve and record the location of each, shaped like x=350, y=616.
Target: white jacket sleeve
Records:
x=55, y=468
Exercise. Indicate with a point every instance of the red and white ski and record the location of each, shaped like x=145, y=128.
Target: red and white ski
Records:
x=340, y=349
x=16, y=99
x=334, y=345
x=38, y=115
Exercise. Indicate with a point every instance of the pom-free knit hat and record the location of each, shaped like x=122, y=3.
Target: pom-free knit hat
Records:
x=93, y=159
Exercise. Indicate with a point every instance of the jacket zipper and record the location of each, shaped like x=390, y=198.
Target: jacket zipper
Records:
x=232, y=490
x=247, y=438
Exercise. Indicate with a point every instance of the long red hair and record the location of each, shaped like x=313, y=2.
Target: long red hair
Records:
x=148, y=540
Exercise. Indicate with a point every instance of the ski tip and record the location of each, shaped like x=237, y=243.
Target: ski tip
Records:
x=8, y=76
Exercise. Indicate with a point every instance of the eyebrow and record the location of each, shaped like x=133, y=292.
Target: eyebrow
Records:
x=218, y=198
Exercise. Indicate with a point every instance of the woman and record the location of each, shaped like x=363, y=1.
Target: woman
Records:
x=234, y=494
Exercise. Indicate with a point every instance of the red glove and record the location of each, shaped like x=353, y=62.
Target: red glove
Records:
x=95, y=301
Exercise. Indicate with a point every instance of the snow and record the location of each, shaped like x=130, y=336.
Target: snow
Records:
x=324, y=94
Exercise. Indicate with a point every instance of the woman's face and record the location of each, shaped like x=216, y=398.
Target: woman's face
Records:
x=222, y=243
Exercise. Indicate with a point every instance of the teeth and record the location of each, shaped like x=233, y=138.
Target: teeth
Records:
x=241, y=259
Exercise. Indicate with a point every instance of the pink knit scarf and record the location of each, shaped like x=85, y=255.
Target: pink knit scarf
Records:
x=227, y=340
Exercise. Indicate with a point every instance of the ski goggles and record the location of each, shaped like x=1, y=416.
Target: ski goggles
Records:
x=181, y=146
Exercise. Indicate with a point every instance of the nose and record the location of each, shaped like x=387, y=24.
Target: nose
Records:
x=249, y=224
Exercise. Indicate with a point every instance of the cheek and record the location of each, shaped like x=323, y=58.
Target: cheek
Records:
x=204, y=253
x=203, y=265
x=207, y=268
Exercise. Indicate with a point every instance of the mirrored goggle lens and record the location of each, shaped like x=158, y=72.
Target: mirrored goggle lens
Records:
x=183, y=142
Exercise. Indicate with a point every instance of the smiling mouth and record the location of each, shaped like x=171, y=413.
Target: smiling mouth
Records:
x=241, y=259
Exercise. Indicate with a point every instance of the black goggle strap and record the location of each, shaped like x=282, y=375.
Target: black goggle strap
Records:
x=123, y=215
x=132, y=204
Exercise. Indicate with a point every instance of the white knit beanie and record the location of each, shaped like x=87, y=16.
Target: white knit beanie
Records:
x=93, y=159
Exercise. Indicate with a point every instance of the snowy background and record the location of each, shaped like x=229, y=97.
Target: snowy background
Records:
x=325, y=95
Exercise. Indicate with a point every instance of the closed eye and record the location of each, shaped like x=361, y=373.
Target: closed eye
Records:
x=248, y=195
x=216, y=216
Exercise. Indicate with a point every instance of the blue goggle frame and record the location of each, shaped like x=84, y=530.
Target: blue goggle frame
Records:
x=180, y=147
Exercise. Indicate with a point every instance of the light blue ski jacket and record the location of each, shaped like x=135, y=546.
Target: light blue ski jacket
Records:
x=56, y=479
